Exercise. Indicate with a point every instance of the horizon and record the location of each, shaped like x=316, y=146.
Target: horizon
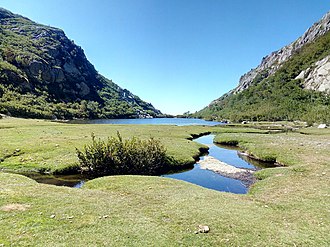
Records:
x=177, y=56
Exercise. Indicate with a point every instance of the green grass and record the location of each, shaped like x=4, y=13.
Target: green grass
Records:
x=289, y=206
x=50, y=146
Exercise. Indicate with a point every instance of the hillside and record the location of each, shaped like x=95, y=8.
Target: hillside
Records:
x=292, y=83
x=43, y=74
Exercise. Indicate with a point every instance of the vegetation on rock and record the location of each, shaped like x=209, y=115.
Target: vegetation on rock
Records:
x=279, y=96
x=43, y=74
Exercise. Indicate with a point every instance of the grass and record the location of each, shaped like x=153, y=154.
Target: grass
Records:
x=289, y=206
x=50, y=146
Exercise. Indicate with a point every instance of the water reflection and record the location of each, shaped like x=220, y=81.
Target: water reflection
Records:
x=212, y=180
x=75, y=181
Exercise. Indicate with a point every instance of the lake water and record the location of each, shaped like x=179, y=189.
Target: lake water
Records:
x=157, y=121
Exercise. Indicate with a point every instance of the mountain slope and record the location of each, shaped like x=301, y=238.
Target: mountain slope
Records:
x=289, y=84
x=43, y=74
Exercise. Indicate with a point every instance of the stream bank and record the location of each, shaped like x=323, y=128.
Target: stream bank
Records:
x=221, y=168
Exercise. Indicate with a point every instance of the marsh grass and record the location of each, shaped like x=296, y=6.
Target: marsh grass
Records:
x=288, y=206
x=130, y=156
x=51, y=147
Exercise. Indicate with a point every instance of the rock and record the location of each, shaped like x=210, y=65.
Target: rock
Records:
x=70, y=67
x=84, y=89
x=226, y=170
x=203, y=229
x=318, y=76
x=36, y=67
x=322, y=126
x=213, y=164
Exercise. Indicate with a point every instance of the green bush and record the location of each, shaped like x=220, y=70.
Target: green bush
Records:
x=117, y=156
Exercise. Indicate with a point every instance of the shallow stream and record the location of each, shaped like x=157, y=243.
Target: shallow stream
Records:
x=212, y=180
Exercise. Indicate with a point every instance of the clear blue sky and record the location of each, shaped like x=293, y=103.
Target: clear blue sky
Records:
x=177, y=54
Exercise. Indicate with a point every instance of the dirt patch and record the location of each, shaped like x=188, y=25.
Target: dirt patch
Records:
x=14, y=207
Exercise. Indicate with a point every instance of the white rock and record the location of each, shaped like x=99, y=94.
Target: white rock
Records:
x=322, y=126
x=203, y=229
x=213, y=164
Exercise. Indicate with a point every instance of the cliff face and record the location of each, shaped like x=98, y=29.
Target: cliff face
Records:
x=41, y=61
x=271, y=63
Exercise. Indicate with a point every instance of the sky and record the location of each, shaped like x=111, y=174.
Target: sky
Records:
x=178, y=55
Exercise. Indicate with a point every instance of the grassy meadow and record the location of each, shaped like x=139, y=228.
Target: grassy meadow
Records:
x=288, y=206
x=50, y=146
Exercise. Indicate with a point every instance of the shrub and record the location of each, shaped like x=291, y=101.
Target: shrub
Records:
x=117, y=156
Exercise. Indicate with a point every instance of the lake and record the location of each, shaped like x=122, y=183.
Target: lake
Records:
x=157, y=121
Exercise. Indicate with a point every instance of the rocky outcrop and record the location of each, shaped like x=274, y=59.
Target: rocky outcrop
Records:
x=317, y=77
x=271, y=63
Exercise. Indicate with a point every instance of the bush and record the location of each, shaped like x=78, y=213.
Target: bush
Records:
x=117, y=156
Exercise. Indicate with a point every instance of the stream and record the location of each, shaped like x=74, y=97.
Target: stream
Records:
x=215, y=181
x=204, y=178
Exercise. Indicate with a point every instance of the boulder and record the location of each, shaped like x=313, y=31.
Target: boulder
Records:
x=322, y=126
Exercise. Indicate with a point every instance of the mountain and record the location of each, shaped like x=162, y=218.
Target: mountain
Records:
x=43, y=74
x=292, y=83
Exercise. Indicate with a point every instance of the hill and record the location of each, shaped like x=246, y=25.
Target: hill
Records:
x=292, y=83
x=43, y=74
